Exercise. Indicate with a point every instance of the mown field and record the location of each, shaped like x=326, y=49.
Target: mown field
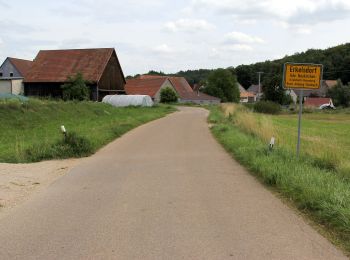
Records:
x=317, y=182
x=30, y=131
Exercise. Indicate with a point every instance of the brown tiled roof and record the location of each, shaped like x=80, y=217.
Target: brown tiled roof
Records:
x=148, y=86
x=198, y=96
x=316, y=102
x=22, y=66
x=58, y=65
x=181, y=85
x=151, y=76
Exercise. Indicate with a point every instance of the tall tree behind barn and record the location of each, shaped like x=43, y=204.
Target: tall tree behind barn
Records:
x=51, y=68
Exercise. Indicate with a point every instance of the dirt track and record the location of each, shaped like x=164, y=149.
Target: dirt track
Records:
x=166, y=190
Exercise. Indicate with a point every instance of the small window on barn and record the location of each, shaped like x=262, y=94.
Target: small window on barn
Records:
x=11, y=74
x=1, y=74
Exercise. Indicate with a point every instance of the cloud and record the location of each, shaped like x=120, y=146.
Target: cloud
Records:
x=223, y=51
x=162, y=49
x=237, y=47
x=4, y=4
x=297, y=28
x=188, y=25
x=239, y=37
x=293, y=12
x=14, y=27
x=109, y=11
x=75, y=43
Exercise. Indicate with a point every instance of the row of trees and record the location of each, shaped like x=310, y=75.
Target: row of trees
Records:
x=336, y=64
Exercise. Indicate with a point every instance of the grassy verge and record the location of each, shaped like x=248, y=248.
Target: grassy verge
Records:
x=313, y=188
x=30, y=131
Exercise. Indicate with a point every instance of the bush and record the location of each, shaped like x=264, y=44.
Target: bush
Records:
x=76, y=88
x=340, y=94
x=168, y=95
x=267, y=107
x=71, y=146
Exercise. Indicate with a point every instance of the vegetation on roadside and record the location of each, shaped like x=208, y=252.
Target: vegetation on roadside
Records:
x=267, y=107
x=76, y=88
x=30, y=131
x=340, y=94
x=168, y=95
x=318, y=182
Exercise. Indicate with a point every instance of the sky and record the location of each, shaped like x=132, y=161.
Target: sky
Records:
x=170, y=36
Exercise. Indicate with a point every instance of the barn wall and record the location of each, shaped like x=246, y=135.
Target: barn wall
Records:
x=112, y=78
x=43, y=89
x=17, y=87
x=5, y=86
x=7, y=67
x=51, y=90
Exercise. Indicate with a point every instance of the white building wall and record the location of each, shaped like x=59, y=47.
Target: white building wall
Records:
x=166, y=84
x=17, y=87
x=5, y=86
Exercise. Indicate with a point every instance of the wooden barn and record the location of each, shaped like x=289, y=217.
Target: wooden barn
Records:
x=51, y=69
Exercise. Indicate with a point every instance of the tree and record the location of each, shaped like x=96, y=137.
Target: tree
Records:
x=76, y=88
x=222, y=84
x=340, y=94
x=273, y=90
x=168, y=95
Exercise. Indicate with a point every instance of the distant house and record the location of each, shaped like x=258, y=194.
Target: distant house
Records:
x=258, y=91
x=147, y=86
x=12, y=73
x=314, y=102
x=322, y=92
x=246, y=96
x=152, y=84
x=51, y=68
x=292, y=94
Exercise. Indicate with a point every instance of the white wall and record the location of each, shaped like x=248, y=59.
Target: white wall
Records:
x=5, y=86
x=166, y=84
x=11, y=86
x=17, y=87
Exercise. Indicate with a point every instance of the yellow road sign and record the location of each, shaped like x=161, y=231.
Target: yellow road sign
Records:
x=302, y=76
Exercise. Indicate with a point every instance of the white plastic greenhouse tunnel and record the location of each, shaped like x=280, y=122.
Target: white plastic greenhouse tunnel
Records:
x=128, y=100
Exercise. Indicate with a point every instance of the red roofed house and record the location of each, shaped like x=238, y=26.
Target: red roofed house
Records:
x=318, y=102
x=246, y=96
x=12, y=73
x=51, y=68
x=152, y=84
x=147, y=86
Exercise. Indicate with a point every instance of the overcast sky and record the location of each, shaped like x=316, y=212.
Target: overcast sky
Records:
x=174, y=35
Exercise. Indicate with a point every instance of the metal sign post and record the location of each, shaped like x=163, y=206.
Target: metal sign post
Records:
x=301, y=76
x=299, y=121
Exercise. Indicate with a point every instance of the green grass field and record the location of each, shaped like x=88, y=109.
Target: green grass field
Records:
x=31, y=131
x=317, y=182
x=325, y=136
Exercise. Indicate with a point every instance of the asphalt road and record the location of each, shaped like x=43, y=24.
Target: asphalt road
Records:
x=165, y=190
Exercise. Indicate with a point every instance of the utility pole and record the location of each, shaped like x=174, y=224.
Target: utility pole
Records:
x=259, y=93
